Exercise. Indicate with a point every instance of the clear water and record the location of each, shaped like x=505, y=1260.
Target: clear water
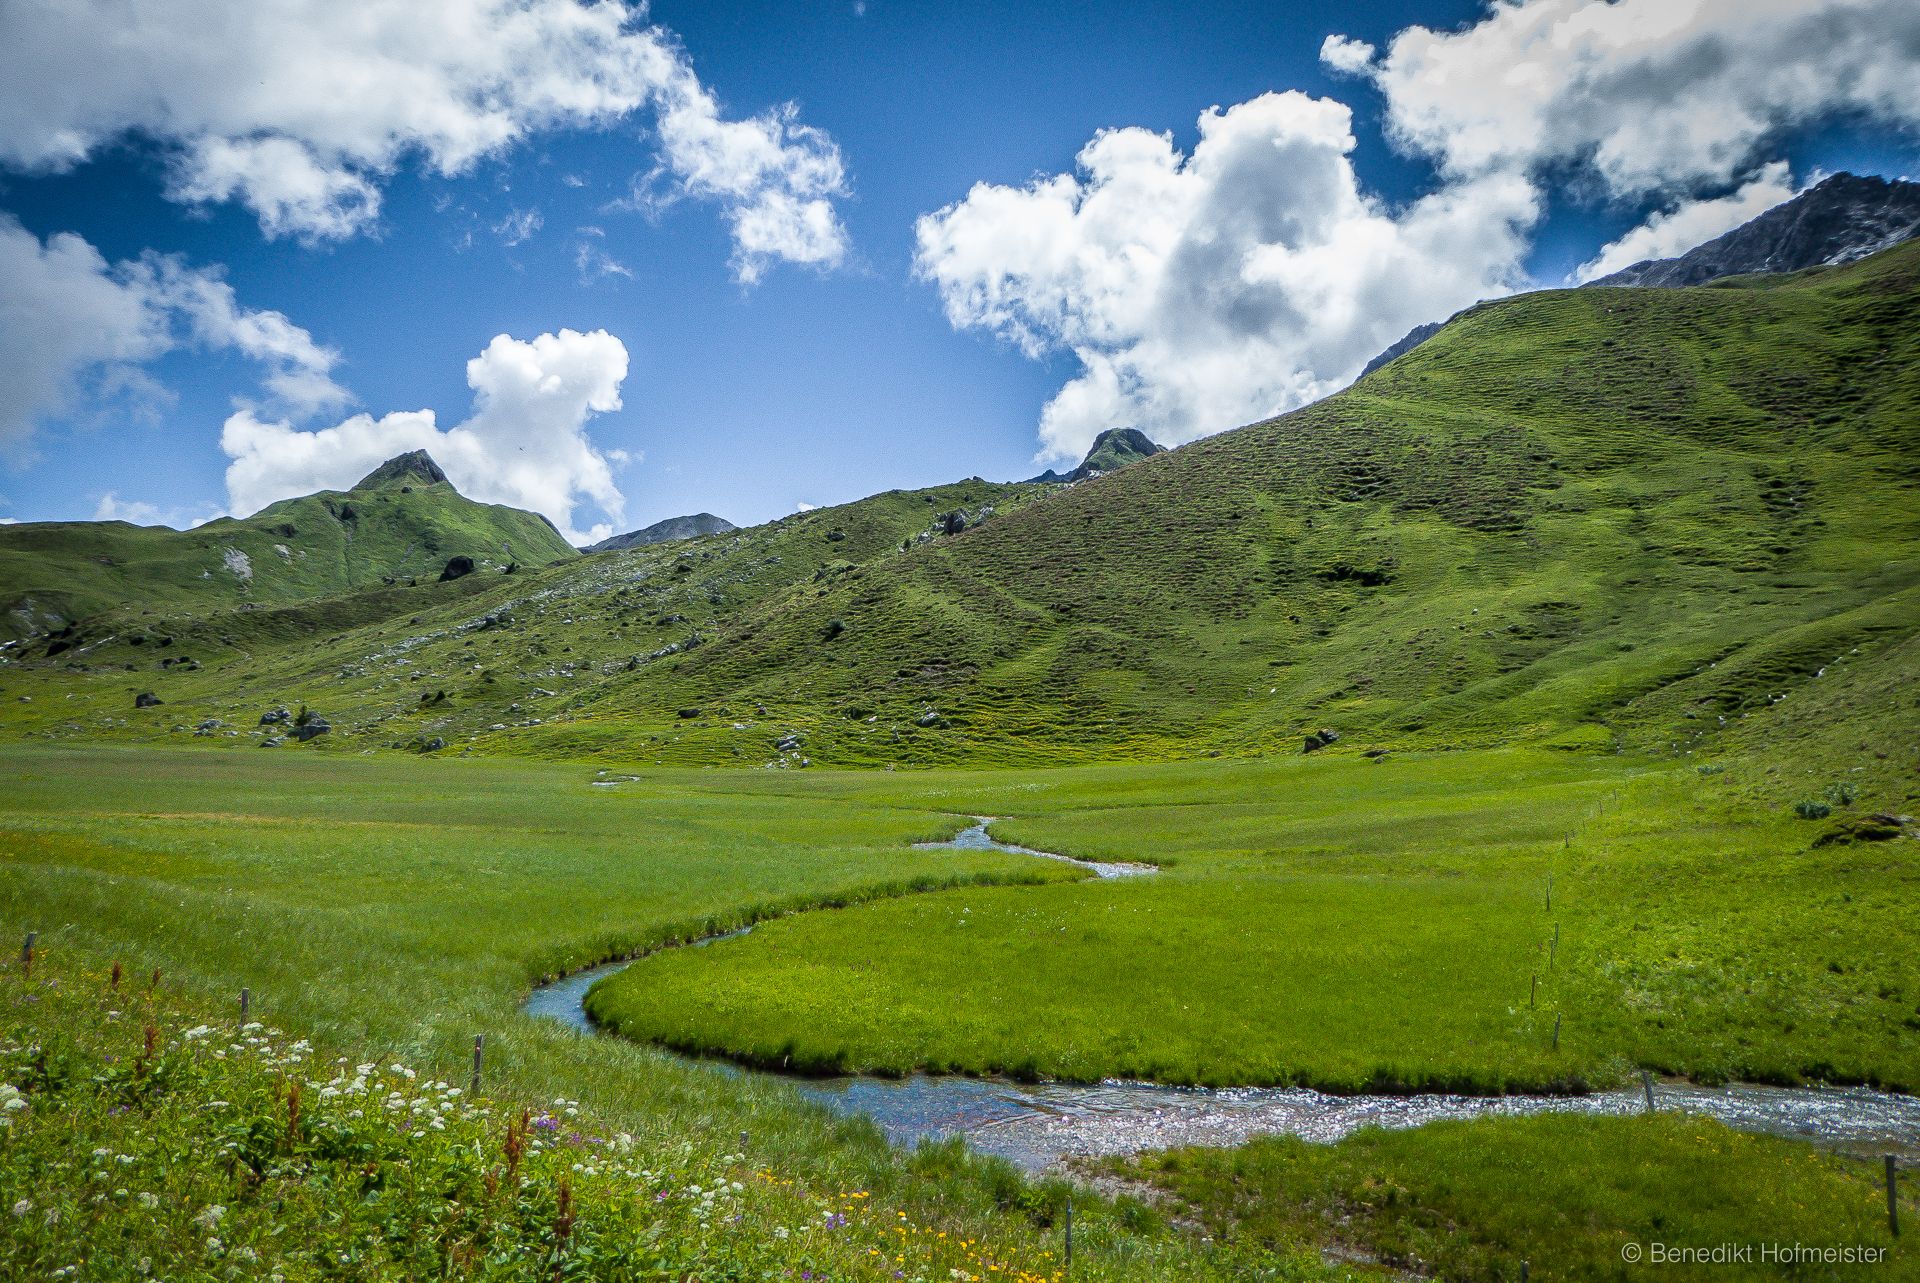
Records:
x=1039, y=1124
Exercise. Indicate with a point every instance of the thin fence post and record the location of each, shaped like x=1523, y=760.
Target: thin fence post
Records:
x=1533, y=992
x=26, y=953
x=246, y=1002
x=1646, y=1081
x=1069, y=1233
x=479, y=1045
x=1893, y=1196
x=1553, y=950
x=1524, y=1271
x=1549, y=893
x=1556, y=1031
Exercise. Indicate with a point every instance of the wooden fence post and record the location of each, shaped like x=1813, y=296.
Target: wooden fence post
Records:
x=26, y=954
x=1646, y=1081
x=479, y=1045
x=1069, y=1233
x=1893, y=1196
x=246, y=1002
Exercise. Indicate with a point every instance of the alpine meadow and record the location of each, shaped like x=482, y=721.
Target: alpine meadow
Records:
x=1456, y=826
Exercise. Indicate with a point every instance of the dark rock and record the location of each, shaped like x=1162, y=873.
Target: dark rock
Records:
x=274, y=716
x=1841, y=219
x=788, y=743
x=312, y=728
x=930, y=719
x=433, y=745
x=456, y=567
x=689, y=712
x=1320, y=739
x=272, y=741
x=147, y=699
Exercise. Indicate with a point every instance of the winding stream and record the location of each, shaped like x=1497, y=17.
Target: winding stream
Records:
x=1037, y=1125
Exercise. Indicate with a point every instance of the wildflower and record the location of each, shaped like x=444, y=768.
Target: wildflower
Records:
x=210, y=1217
x=22, y=1207
x=197, y=1032
x=149, y=1200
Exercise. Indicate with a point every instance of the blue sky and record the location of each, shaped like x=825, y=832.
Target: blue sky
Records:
x=820, y=383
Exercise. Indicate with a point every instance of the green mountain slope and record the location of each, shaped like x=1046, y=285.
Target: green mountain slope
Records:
x=1677, y=520
x=404, y=521
x=1592, y=516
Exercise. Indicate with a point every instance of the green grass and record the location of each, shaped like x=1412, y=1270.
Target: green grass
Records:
x=390, y=909
x=1643, y=518
x=1347, y=926
x=1571, y=1197
x=55, y=574
x=138, y=1139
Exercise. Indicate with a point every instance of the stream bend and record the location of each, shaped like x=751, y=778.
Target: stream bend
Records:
x=1039, y=1125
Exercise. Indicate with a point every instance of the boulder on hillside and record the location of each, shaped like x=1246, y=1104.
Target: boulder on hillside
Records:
x=275, y=716
x=1320, y=739
x=147, y=699
x=312, y=728
x=456, y=568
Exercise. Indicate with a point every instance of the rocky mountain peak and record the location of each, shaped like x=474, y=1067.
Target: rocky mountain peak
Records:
x=1114, y=448
x=1838, y=220
x=415, y=467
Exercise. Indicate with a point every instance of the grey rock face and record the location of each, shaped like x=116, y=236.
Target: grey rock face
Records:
x=1841, y=219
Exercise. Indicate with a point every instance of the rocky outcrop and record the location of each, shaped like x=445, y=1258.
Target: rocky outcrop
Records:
x=1838, y=220
x=1412, y=339
x=456, y=568
x=414, y=468
x=1113, y=449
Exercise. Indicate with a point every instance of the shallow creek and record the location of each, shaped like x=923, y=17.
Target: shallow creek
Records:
x=1037, y=1125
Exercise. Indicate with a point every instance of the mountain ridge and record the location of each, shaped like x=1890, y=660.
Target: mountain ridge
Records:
x=1841, y=219
x=1633, y=520
x=670, y=530
x=398, y=524
x=1112, y=450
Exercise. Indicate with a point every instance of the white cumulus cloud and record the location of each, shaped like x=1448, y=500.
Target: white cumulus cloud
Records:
x=1654, y=95
x=73, y=324
x=1200, y=292
x=525, y=442
x=301, y=109
x=1671, y=232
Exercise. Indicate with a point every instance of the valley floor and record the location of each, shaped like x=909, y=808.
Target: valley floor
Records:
x=1420, y=922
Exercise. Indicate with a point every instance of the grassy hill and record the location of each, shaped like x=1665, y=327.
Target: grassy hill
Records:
x=1677, y=520
x=398, y=524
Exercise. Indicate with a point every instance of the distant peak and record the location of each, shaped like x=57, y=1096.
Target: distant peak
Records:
x=1113, y=448
x=415, y=467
